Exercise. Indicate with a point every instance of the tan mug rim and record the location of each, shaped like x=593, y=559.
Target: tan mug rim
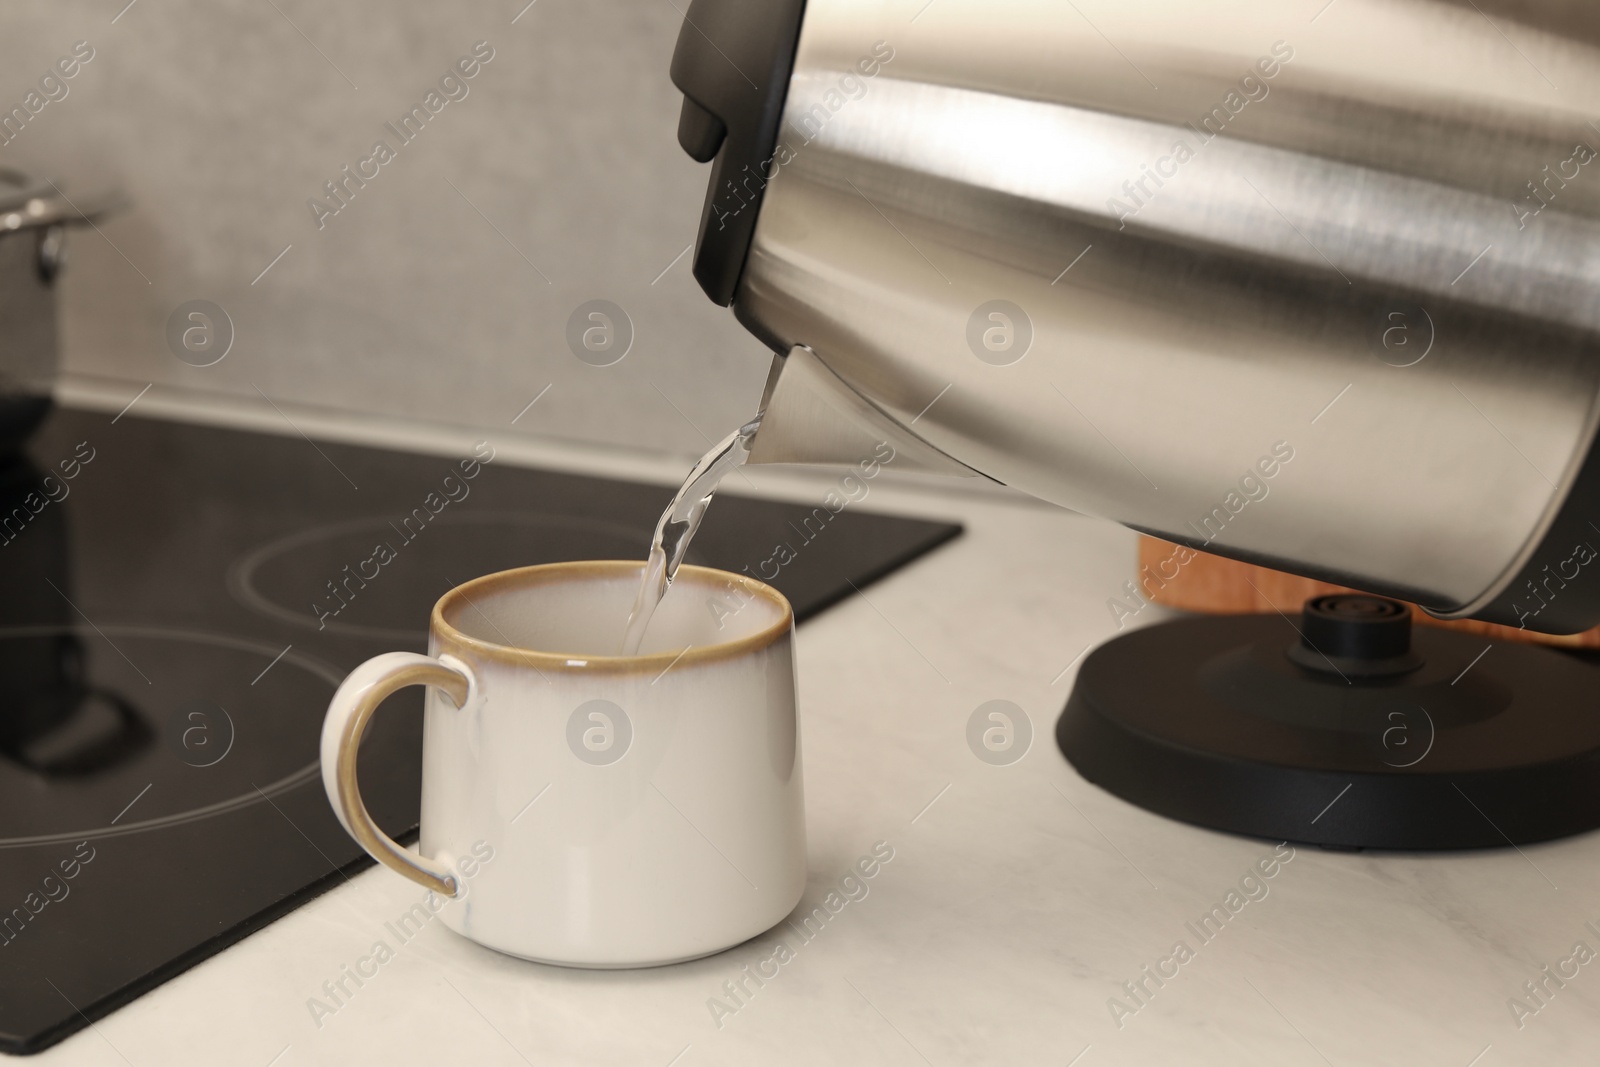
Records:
x=451, y=640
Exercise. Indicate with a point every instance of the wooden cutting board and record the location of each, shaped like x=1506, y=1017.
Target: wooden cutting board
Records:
x=1214, y=585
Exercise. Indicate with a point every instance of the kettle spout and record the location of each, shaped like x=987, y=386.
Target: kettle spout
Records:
x=810, y=415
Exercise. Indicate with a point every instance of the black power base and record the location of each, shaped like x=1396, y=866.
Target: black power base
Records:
x=1355, y=733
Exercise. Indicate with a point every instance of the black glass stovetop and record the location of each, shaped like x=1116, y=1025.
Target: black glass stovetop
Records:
x=177, y=606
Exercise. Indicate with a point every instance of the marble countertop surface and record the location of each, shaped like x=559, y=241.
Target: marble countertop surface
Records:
x=1019, y=899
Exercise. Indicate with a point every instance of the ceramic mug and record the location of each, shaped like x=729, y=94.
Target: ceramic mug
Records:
x=585, y=808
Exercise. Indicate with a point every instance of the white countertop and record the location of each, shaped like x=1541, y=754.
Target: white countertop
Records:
x=1020, y=898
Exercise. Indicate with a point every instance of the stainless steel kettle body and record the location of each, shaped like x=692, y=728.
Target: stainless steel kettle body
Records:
x=1316, y=290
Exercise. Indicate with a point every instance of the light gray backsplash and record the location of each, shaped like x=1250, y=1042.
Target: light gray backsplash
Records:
x=220, y=120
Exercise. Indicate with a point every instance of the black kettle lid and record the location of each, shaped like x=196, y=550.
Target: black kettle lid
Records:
x=732, y=63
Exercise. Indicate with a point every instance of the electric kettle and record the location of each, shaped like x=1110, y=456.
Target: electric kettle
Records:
x=1313, y=289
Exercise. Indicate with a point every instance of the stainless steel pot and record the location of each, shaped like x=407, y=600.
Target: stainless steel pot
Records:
x=34, y=217
x=1312, y=290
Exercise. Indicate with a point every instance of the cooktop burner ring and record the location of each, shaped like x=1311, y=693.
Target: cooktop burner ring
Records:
x=244, y=586
x=308, y=773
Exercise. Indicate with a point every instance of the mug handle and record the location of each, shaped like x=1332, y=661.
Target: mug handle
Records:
x=348, y=714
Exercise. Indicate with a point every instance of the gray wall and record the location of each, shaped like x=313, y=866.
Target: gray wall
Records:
x=220, y=120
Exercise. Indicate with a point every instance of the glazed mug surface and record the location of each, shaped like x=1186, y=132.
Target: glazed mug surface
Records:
x=585, y=808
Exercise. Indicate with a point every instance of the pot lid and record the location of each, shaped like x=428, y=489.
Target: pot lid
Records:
x=17, y=188
x=27, y=204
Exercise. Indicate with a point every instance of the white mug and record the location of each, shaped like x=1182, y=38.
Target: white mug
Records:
x=585, y=808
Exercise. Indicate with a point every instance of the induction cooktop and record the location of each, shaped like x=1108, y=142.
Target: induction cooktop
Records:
x=178, y=603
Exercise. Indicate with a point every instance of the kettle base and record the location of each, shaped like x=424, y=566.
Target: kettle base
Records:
x=1218, y=721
